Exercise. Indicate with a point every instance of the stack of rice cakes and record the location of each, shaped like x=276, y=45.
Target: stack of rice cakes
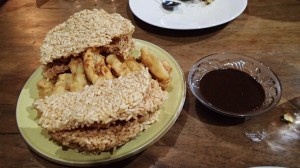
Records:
x=108, y=113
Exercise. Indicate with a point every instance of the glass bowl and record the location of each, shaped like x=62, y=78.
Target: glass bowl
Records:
x=257, y=70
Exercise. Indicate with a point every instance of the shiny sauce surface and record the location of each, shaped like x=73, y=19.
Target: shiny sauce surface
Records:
x=231, y=90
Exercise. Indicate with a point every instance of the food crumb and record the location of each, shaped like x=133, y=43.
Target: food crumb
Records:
x=287, y=117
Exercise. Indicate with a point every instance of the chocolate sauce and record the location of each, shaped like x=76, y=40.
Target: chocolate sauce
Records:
x=232, y=90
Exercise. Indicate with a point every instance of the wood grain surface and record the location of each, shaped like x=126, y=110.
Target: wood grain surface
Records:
x=267, y=30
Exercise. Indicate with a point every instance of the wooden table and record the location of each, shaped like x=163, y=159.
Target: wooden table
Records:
x=268, y=31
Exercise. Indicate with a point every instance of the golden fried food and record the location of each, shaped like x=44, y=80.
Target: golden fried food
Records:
x=101, y=69
x=99, y=62
x=155, y=65
x=95, y=67
x=165, y=84
x=133, y=65
x=92, y=66
x=167, y=66
x=98, y=59
x=78, y=77
x=63, y=83
x=89, y=64
x=45, y=88
x=160, y=69
x=106, y=72
x=119, y=68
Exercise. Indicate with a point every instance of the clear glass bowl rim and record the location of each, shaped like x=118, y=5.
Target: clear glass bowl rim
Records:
x=236, y=56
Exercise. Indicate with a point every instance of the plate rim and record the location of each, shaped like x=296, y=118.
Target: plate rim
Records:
x=242, y=9
x=123, y=156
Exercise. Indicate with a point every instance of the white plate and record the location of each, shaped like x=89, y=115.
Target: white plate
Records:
x=189, y=15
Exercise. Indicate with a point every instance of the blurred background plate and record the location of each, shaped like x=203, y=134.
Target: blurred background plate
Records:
x=193, y=14
x=38, y=139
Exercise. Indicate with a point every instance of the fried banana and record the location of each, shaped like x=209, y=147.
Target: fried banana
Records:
x=119, y=68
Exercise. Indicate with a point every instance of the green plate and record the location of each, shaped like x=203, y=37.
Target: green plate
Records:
x=38, y=139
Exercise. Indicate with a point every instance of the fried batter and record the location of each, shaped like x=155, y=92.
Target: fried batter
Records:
x=63, y=83
x=154, y=64
x=45, y=88
x=89, y=64
x=95, y=67
x=119, y=68
x=78, y=77
x=160, y=69
x=133, y=65
x=101, y=69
